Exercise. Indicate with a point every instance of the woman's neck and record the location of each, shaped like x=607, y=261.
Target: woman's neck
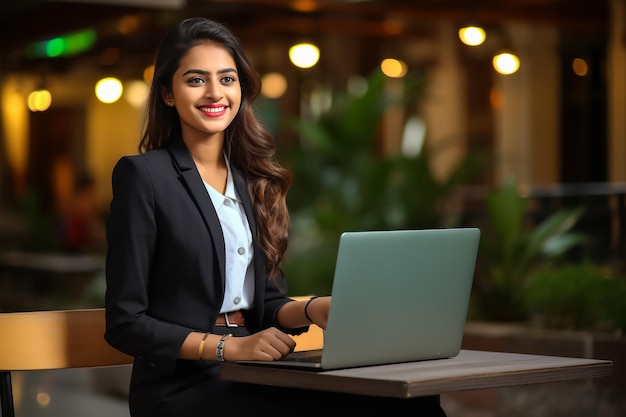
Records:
x=208, y=155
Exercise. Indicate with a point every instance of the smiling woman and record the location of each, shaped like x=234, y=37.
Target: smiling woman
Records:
x=197, y=234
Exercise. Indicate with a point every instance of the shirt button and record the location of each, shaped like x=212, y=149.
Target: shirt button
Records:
x=227, y=202
x=241, y=251
x=237, y=300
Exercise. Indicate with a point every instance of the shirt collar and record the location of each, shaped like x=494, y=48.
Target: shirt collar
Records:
x=230, y=193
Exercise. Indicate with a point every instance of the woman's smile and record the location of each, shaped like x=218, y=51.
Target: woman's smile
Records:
x=213, y=111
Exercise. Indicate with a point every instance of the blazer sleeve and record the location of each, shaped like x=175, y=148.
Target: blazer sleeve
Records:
x=131, y=239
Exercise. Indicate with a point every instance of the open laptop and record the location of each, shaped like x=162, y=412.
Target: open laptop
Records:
x=397, y=296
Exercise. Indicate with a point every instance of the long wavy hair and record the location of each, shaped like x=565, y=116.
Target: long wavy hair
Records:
x=249, y=145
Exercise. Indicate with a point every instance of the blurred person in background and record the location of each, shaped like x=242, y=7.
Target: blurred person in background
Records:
x=81, y=223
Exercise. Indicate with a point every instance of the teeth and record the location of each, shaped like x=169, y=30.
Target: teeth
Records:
x=212, y=109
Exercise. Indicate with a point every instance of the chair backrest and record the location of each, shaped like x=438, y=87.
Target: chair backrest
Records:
x=56, y=340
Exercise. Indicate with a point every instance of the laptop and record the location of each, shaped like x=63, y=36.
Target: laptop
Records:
x=397, y=296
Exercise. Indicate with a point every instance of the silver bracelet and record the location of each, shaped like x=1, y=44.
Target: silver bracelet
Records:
x=219, y=351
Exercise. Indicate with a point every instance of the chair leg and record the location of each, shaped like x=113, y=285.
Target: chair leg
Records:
x=6, y=395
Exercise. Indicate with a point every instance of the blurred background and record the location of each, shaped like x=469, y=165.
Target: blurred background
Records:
x=509, y=115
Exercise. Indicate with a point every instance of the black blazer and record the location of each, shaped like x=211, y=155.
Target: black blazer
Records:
x=165, y=269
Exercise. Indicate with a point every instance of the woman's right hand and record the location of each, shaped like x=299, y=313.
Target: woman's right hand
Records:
x=267, y=345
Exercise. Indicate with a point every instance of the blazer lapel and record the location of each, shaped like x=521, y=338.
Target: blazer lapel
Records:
x=242, y=192
x=190, y=176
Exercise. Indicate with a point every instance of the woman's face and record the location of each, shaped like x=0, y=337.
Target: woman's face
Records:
x=205, y=91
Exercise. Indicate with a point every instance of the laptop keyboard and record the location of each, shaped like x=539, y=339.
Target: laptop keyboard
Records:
x=310, y=356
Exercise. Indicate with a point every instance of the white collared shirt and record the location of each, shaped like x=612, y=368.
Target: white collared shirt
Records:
x=238, y=241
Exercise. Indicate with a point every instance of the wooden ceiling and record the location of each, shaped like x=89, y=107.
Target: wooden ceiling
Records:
x=25, y=21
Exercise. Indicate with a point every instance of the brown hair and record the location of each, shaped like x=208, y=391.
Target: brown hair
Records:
x=248, y=143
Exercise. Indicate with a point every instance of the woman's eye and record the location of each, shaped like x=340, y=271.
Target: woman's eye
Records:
x=228, y=80
x=195, y=80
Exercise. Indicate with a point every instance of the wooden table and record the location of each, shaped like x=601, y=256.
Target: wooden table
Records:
x=469, y=370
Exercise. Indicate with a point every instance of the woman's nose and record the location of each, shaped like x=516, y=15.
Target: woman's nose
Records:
x=213, y=89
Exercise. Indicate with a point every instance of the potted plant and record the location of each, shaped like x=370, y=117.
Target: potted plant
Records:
x=512, y=247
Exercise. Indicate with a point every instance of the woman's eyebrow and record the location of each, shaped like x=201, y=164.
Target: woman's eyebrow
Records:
x=206, y=73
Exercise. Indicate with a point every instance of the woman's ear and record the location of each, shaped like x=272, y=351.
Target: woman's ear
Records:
x=167, y=97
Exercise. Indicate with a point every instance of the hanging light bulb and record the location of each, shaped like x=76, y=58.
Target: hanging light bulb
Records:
x=109, y=90
x=506, y=63
x=39, y=100
x=304, y=55
x=393, y=68
x=472, y=35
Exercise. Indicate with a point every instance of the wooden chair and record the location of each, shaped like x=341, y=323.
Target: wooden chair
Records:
x=45, y=340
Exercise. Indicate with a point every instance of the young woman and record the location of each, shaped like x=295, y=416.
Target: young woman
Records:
x=197, y=231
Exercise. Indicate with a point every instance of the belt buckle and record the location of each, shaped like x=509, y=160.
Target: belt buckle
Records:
x=228, y=323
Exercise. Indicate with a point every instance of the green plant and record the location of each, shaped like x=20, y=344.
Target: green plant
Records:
x=512, y=247
x=613, y=309
x=572, y=295
x=342, y=182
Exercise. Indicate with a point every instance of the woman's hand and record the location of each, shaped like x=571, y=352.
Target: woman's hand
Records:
x=267, y=345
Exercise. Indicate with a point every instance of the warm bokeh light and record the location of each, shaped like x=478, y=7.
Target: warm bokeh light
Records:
x=148, y=74
x=506, y=63
x=472, y=35
x=496, y=98
x=109, y=90
x=304, y=55
x=128, y=24
x=393, y=26
x=43, y=399
x=304, y=5
x=274, y=85
x=39, y=100
x=580, y=67
x=393, y=68
x=136, y=93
